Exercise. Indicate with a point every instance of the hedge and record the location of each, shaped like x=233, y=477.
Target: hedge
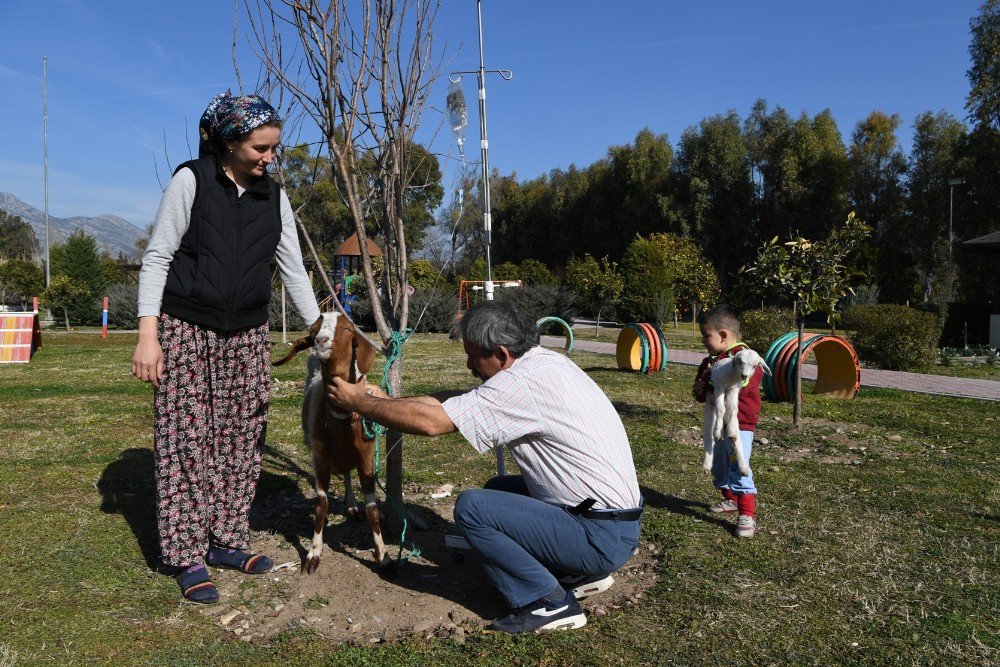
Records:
x=893, y=337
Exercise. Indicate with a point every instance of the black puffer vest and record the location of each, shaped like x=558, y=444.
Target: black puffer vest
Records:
x=220, y=276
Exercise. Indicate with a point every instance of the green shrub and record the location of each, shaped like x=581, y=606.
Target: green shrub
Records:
x=293, y=320
x=760, y=328
x=648, y=294
x=893, y=337
x=441, y=308
x=543, y=301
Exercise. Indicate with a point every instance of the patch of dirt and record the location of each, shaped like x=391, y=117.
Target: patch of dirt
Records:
x=439, y=593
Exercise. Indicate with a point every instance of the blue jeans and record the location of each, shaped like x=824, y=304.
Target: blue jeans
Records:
x=726, y=471
x=524, y=543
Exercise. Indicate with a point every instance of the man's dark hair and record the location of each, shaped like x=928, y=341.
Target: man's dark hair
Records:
x=490, y=324
x=721, y=317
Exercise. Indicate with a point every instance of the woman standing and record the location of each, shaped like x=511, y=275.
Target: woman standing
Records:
x=203, y=337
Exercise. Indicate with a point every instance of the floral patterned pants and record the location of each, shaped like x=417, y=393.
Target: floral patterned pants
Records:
x=210, y=418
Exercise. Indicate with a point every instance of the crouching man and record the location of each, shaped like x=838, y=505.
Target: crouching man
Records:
x=556, y=532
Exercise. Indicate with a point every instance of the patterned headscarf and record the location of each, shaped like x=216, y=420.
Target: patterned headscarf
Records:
x=228, y=118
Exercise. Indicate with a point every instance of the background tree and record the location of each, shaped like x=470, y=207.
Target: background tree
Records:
x=79, y=260
x=64, y=293
x=934, y=158
x=598, y=285
x=20, y=279
x=17, y=238
x=814, y=275
x=714, y=192
x=361, y=73
x=977, y=202
x=877, y=195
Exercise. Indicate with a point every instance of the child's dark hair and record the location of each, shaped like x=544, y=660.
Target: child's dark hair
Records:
x=721, y=317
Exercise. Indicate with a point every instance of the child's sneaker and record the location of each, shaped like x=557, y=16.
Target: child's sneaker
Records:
x=746, y=526
x=726, y=506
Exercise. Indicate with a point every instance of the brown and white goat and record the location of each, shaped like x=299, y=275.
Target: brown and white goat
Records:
x=336, y=438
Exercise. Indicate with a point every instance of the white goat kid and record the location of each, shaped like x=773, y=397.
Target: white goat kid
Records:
x=729, y=375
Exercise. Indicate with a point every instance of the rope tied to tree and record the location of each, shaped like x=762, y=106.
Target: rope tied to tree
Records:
x=372, y=429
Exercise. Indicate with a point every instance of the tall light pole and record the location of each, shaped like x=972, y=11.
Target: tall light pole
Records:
x=45, y=152
x=484, y=144
x=952, y=182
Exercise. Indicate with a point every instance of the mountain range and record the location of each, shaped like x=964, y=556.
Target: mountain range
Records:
x=114, y=235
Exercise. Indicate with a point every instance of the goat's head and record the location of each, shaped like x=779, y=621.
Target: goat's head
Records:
x=745, y=362
x=337, y=342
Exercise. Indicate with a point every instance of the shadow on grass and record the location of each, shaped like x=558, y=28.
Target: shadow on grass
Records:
x=692, y=508
x=127, y=488
x=636, y=410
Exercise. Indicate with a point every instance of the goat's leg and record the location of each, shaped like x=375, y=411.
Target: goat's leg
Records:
x=733, y=429
x=719, y=414
x=367, y=481
x=708, y=440
x=350, y=502
x=322, y=507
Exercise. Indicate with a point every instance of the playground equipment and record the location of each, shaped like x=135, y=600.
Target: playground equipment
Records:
x=567, y=329
x=20, y=335
x=347, y=268
x=641, y=347
x=470, y=292
x=838, y=371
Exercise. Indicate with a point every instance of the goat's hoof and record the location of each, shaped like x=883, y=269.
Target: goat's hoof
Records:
x=312, y=562
x=745, y=473
x=353, y=512
x=387, y=569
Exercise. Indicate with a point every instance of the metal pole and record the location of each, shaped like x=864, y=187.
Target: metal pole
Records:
x=484, y=146
x=45, y=150
x=952, y=182
x=951, y=215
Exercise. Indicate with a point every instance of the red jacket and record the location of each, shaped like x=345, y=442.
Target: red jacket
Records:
x=749, y=405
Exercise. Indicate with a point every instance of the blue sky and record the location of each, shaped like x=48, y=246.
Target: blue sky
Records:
x=128, y=80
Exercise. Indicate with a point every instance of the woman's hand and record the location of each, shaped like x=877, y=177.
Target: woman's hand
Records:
x=147, y=362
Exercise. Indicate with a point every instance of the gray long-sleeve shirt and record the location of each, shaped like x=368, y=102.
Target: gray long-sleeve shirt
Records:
x=172, y=221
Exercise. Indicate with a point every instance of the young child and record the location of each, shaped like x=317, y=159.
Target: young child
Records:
x=720, y=333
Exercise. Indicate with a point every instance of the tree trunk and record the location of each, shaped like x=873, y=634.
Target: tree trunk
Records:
x=66, y=315
x=797, y=396
x=394, y=464
x=597, y=327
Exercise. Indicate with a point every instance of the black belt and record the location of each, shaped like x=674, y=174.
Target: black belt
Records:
x=583, y=509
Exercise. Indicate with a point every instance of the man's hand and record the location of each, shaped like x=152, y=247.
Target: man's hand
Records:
x=348, y=396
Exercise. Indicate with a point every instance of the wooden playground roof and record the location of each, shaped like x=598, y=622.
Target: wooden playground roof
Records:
x=352, y=248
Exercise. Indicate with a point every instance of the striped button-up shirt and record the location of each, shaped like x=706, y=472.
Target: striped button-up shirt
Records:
x=562, y=431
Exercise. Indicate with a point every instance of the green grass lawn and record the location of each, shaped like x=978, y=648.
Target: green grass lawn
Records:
x=871, y=551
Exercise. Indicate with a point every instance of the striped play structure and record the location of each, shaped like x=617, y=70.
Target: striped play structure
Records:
x=838, y=371
x=20, y=337
x=641, y=347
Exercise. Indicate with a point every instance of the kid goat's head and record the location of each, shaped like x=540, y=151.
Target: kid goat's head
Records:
x=745, y=362
x=337, y=344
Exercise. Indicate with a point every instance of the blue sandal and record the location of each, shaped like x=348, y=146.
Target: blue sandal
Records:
x=234, y=559
x=196, y=585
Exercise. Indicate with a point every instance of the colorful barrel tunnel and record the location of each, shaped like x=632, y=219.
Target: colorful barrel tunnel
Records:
x=641, y=347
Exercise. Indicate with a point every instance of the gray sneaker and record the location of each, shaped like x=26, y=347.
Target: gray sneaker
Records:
x=725, y=507
x=584, y=586
x=746, y=526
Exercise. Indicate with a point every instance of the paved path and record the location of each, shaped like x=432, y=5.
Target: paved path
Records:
x=942, y=385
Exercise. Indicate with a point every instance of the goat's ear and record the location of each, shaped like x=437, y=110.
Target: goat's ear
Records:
x=763, y=365
x=297, y=346
x=302, y=343
x=364, y=352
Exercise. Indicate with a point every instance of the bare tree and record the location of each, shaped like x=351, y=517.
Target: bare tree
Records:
x=361, y=72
